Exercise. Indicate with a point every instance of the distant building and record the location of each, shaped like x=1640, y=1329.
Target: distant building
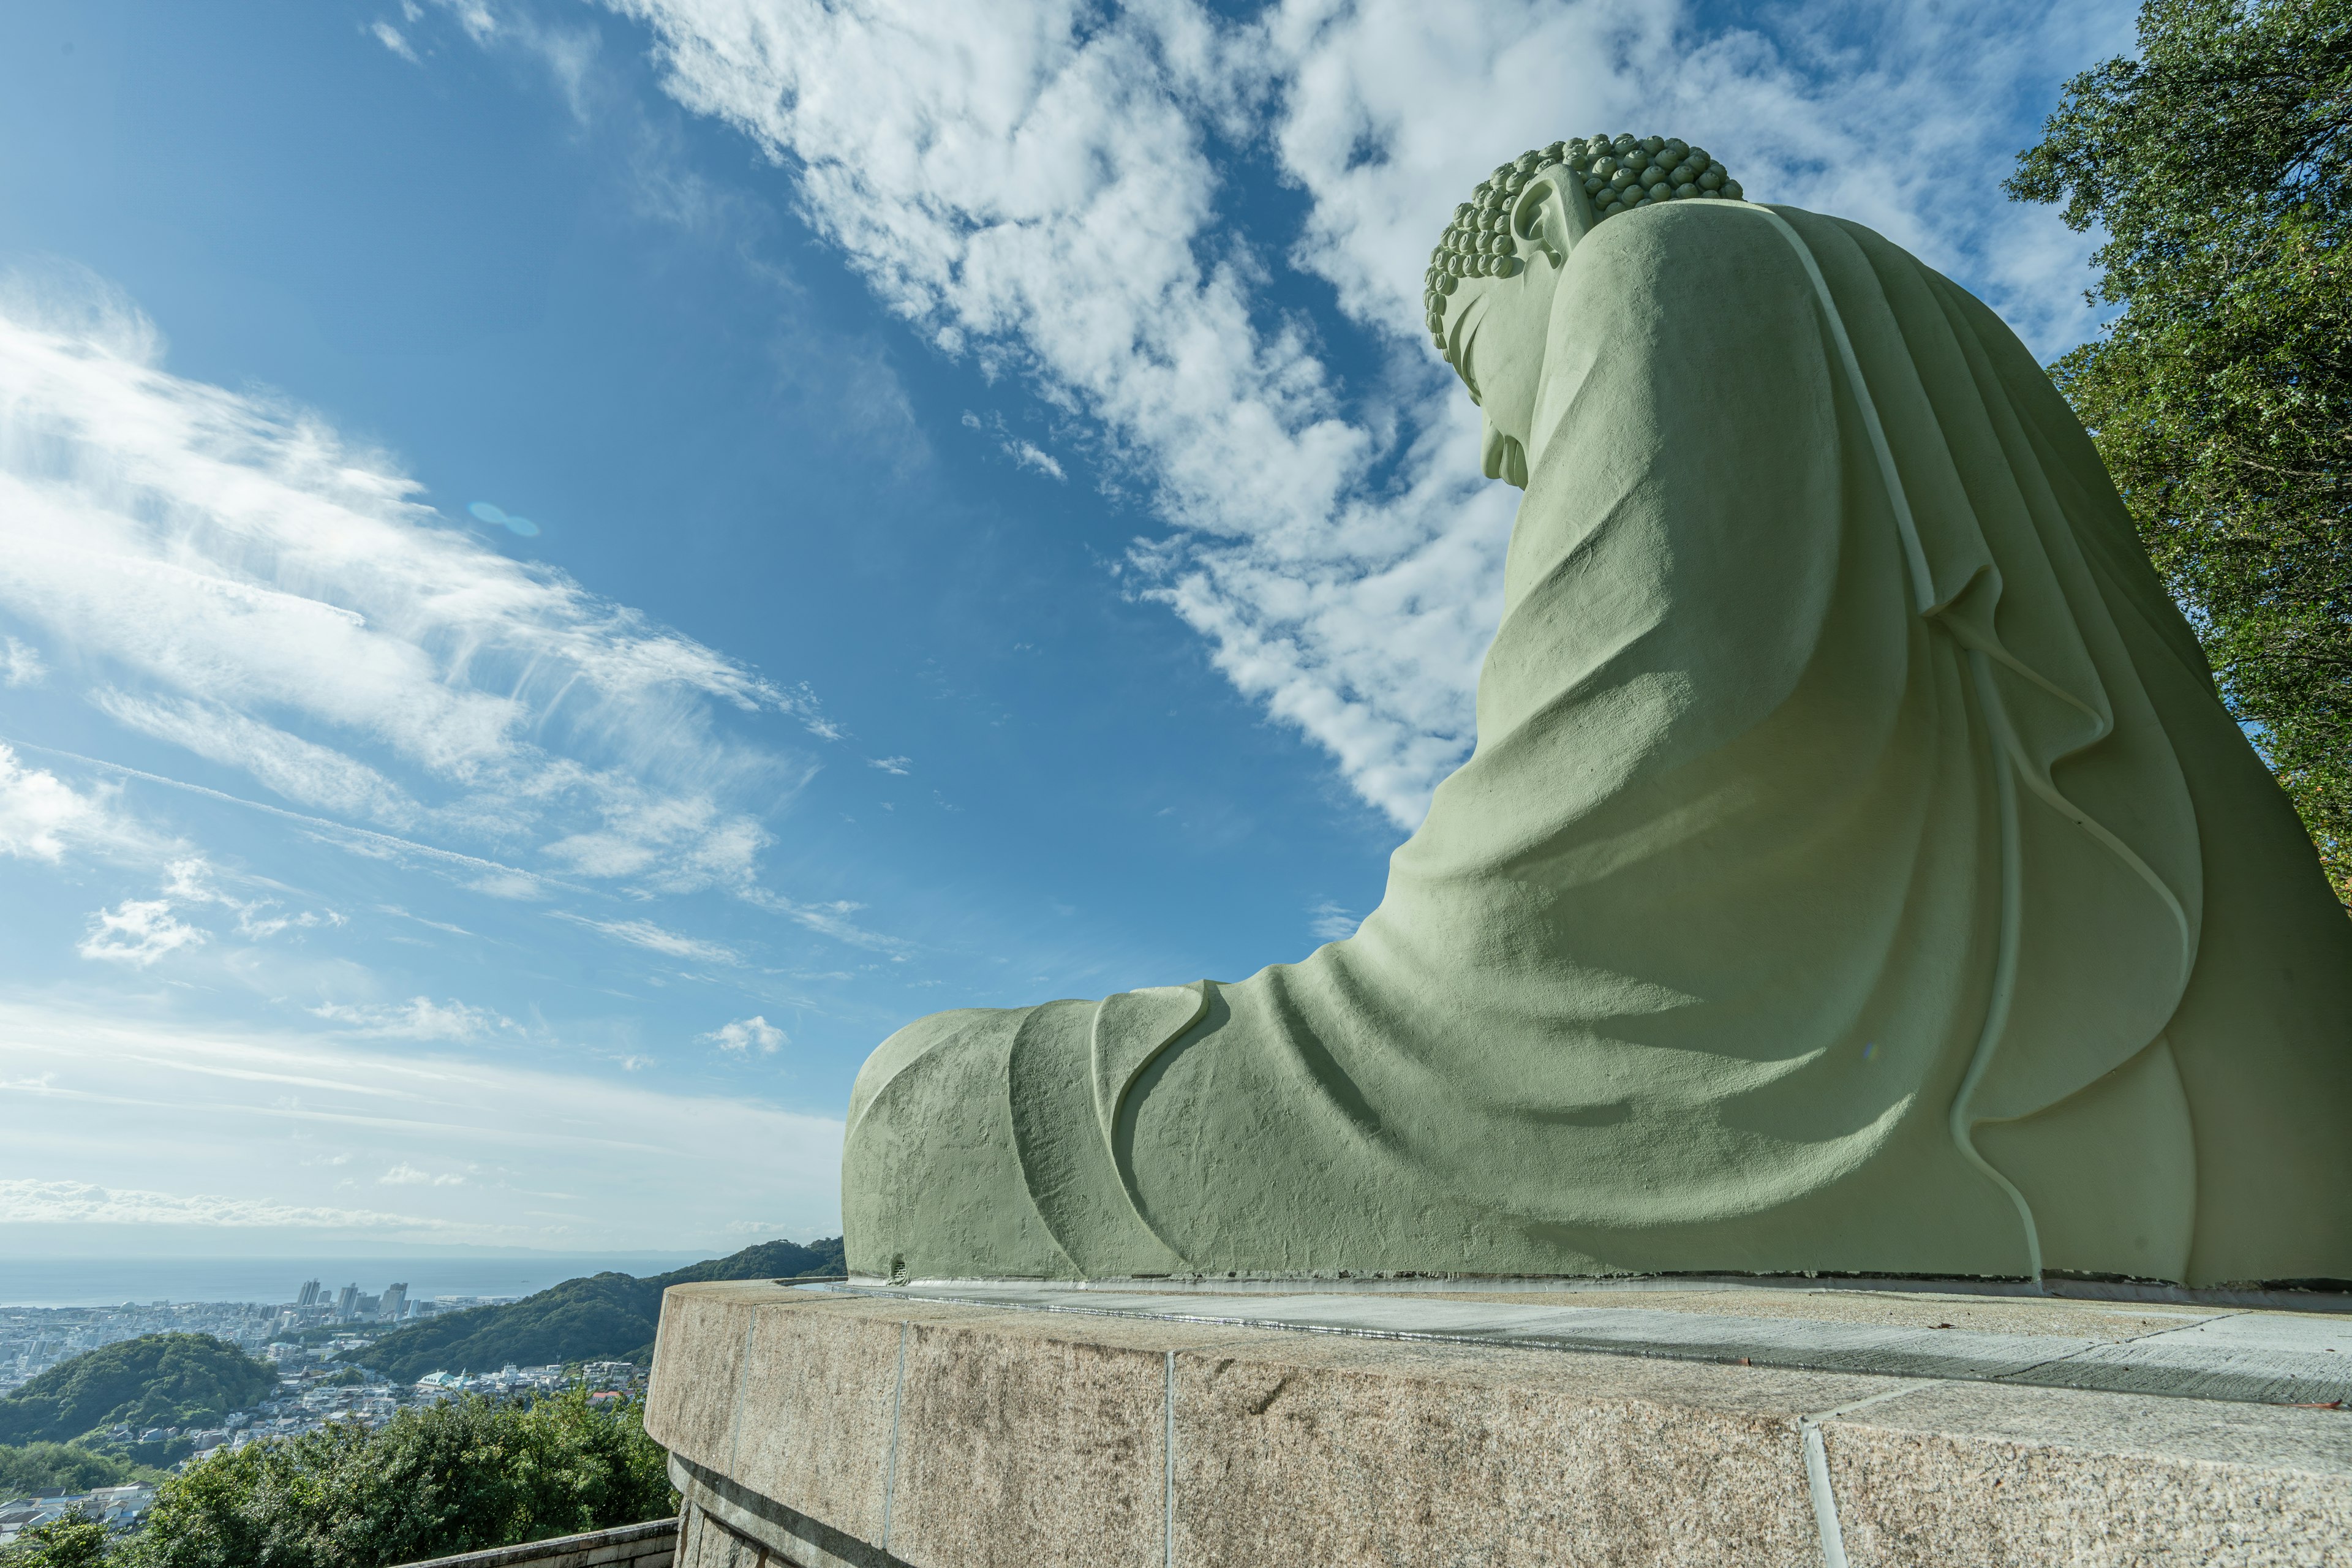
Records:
x=393, y=1301
x=309, y=1296
x=346, y=1300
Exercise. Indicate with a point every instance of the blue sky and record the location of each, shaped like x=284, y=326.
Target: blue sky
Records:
x=566, y=568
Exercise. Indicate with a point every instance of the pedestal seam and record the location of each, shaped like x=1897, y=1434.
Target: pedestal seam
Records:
x=890, y=1467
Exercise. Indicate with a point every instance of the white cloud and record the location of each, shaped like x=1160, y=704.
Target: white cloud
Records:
x=26, y=1202
x=137, y=931
x=390, y=37
x=142, y=931
x=1025, y=453
x=1032, y=183
x=20, y=663
x=900, y=765
x=41, y=816
x=473, y=16
x=407, y=1175
x=1029, y=455
x=746, y=1034
x=418, y=1018
x=656, y=938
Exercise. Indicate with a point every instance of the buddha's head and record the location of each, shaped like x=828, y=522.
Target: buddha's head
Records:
x=1491, y=279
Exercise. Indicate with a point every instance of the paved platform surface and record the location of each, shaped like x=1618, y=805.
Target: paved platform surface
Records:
x=944, y=1425
x=2258, y=1356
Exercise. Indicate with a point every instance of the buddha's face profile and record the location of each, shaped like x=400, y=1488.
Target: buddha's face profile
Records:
x=1496, y=341
x=1492, y=280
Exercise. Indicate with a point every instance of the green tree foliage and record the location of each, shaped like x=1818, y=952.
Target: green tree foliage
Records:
x=431, y=1481
x=77, y=1540
x=2220, y=395
x=50, y=1469
x=599, y=1318
x=156, y=1379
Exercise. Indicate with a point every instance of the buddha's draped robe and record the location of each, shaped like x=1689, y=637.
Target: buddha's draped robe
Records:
x=1856, y=872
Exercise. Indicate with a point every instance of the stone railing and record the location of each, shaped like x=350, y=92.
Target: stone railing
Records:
x=652, y=1544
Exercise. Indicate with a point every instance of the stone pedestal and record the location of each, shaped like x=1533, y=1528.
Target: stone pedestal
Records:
x=953, y=1427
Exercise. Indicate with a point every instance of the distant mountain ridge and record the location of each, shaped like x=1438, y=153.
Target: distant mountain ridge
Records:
x=601, y=1317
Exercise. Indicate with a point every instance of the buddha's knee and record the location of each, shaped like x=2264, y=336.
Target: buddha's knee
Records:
x=932, y=1181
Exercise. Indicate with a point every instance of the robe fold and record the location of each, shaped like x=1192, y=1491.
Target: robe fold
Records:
x=1856, y=872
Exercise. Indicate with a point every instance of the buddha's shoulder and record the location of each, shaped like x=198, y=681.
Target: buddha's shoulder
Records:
x=1686, y=249
x=1700, y=259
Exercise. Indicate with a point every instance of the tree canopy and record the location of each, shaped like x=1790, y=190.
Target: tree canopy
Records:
x=2220, y=394
x=155, y=1380
x=431, y=1481
x=77, y=1540
x=49, y=1469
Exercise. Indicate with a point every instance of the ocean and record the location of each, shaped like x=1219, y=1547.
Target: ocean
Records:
x=110, y=1281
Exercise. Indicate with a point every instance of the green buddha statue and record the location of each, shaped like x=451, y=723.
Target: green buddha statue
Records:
x=1855, y=871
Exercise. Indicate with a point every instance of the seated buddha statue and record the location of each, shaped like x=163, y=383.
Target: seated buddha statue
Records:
x=1855, y=871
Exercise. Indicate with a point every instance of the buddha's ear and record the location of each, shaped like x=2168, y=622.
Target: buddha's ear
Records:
x=1552, y=212
x=1501, y=457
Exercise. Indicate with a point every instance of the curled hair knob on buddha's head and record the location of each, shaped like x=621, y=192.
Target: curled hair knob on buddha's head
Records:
x=1618, y=173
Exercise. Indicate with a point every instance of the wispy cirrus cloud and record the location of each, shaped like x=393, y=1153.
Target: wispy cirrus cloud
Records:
x=407, y=1175
x=392, y=39
x=1330, y=922
x=293, y=768
x=266, y=595
x=20, y=663
x=33, y=1202
x=671, y=844
x=274, y=1116
x=418, y=1018
x=656, y=938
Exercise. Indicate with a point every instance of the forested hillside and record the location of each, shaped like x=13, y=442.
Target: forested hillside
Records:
x=155, y=1380
x=604, y=1317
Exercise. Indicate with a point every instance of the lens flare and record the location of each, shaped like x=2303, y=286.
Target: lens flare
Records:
x=490, y=513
